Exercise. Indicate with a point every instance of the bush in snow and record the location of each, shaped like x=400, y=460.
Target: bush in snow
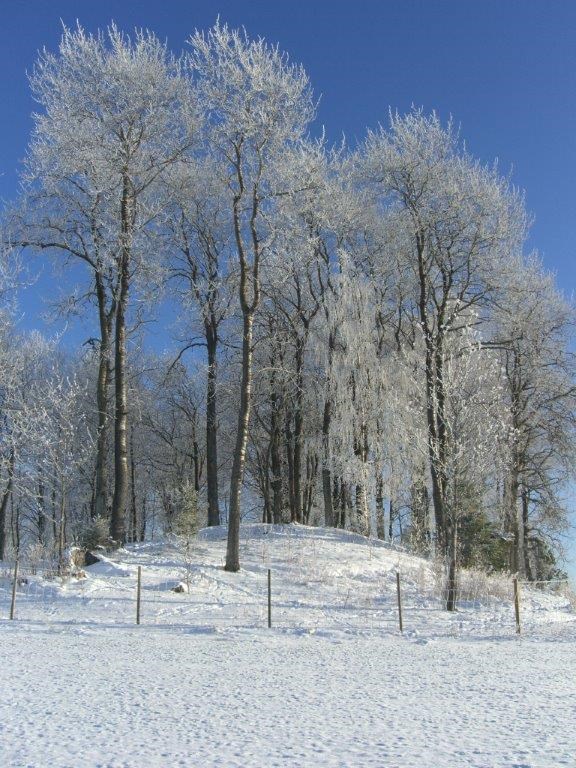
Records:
x=95, y=535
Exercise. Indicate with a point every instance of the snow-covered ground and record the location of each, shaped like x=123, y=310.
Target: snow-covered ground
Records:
x=204, y=682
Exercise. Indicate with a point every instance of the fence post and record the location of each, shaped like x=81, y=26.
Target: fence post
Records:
x=269, y=597
x=399, y=595
x=138, y=591
x=517, y=603
x=14, y=585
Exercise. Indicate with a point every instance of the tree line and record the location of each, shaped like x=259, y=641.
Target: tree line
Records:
x=363, y=341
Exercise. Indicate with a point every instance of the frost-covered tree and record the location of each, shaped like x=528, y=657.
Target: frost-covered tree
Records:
x=60, y=443
x=392, y=363
x=256, y=105
x=115, y=115
x=197, y=223
x=532, y=328
x=48, y=446
x=168, y=437
x=461, y=222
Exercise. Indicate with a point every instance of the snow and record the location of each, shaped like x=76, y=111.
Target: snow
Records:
x=204, y=682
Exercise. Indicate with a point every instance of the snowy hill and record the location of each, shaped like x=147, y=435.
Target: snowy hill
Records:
x=204, y=682
x=323, y=580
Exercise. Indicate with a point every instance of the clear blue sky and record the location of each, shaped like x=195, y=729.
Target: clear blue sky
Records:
x=504, y=69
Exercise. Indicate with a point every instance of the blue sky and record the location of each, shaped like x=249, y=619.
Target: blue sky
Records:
x=505, y=70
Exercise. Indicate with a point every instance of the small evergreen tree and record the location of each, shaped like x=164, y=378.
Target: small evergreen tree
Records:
x=185, y=524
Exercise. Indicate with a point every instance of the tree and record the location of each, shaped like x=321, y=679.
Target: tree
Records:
x=256, y=105
x=169, y=435
x=116, y=113
x=197, y=224
x=46, y=444
x=390, y=346
x=59, y=442
x=461, y=222
x=532, y=328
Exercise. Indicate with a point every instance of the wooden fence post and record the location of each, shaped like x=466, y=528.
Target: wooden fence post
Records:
x=14, y=585
x=138, y=591
x=399, y=595
x=269, y=597
x=517, y=603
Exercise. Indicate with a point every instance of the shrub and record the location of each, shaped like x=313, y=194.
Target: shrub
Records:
x=95, y=535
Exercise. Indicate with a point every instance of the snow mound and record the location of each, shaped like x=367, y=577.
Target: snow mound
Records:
x=323, y=581
x=332, y=683
x=107, y=567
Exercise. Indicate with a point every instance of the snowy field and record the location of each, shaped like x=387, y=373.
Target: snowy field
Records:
x=204, y=682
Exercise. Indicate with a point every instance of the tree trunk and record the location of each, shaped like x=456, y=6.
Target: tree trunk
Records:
x=143, y=520
x=4, y=503
x=118, y=516
x=62, y=526
x=298, y=429
x=342, y=503
x=336, y=500
x=436, y=447
x=290, y=465
x=15, y=524
x=348, y=504
x=41, y=508
x=233, y=545
x=211, y=427
x=434, y=400
x=452, y=541
x=329, y=519
x=511, y=490
x=54, y=520
x=133, y=506
x=309, y=486
x=420, y=534
x=263, y=466
x=361, y=496
x=380, y=524
x=100, y=504
x=196, y=463
x=297, y=468
x=100, y=507
x=276, y=462
x=361, y=505
x=526, y=535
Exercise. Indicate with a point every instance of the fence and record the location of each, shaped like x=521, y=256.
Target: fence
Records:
x=295, y=587
x=260, y=600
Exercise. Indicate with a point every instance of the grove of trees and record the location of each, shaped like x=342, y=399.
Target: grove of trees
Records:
x=361, y=339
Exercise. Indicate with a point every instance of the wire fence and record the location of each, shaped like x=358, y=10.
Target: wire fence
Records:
x=295, y=587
